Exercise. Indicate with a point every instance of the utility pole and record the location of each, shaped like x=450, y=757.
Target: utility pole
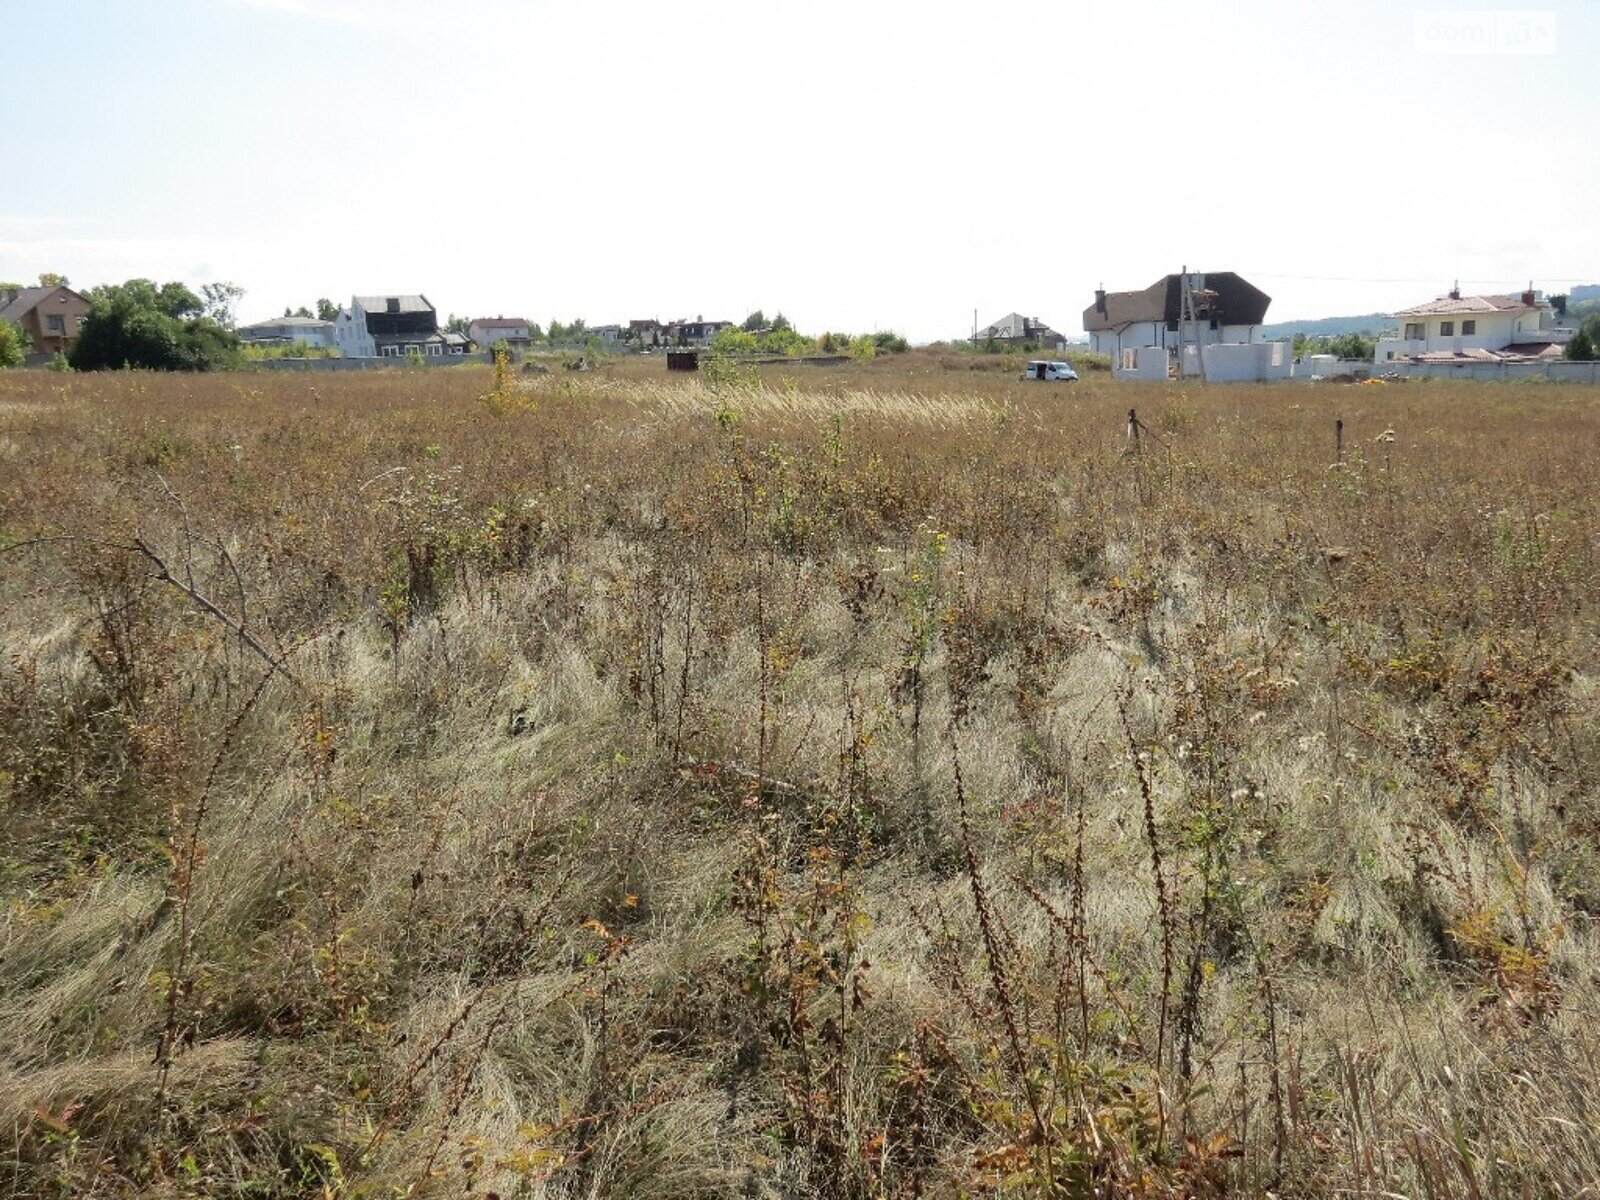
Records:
x=1187, y=332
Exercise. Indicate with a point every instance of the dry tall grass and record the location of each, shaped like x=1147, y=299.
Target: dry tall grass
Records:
x=870, y=783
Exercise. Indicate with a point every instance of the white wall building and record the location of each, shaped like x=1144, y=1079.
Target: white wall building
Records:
x=350, y=334
x=1474, y=327
x=1226, y=309
x=486, y=331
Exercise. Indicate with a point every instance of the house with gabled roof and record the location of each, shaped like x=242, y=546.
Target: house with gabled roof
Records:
x=1014, y=329
x=515, y=332
x=697, y=332
x=1224, y=308
x=392, y=327
x=1463, y=329
x=50, y=316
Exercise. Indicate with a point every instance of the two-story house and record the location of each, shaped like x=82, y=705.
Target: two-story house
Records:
x=392, y=327
x=1221, y=308
x=50, y=316
x=697, y=332
x=488, y=331
x=644, y=330
x=1457, y=328
x=1014, y=329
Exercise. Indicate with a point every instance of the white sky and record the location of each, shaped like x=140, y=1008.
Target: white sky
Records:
x=880, y=164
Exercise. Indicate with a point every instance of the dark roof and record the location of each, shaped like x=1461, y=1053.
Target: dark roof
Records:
x=1015, y=325
x=1535, y=349
x=25, y=300
x=498, y=322
x=408, y=304
x=1229, y=298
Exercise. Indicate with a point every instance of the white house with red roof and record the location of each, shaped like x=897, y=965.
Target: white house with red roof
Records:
x=486, y=331
x=1457, y=328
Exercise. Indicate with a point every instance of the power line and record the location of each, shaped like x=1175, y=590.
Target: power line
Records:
x=1575, y=279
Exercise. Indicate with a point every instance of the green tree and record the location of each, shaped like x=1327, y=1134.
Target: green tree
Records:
x=221, y=299
x=159, y=328
x=755, y=322
x=51, y=279
x=327, y=310
x=13, y=345
x=457, y=324
x=734, y=341
x=1353, y=346
x=1585, y=344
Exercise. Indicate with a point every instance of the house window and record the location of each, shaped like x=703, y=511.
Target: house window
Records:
x=1414, y=332
x=1447, y=329
x=54, y=323
x=1468, y=328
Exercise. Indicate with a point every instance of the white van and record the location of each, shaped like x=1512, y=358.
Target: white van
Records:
x=1040, y=369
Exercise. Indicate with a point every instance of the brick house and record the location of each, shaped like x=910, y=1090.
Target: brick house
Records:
x=50, y=316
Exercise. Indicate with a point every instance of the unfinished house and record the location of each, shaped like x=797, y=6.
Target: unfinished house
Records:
x=1178, y=316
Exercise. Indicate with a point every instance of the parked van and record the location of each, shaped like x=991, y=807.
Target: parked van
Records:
x=1040, y=369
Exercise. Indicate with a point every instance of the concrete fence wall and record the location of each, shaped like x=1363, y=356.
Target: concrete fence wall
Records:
x=1142, y=362
x=370, y=364
x=1557, y=370
x=1247, y=362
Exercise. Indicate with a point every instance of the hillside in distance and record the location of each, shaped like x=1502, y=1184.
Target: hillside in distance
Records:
x=1369, y=323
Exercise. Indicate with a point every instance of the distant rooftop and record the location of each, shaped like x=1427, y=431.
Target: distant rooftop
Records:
x=1446, y=306
x=288, y=322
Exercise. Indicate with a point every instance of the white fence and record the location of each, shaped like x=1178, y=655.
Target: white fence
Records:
x=1555, y=369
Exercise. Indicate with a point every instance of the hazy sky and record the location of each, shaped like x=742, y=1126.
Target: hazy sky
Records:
x=877, y=164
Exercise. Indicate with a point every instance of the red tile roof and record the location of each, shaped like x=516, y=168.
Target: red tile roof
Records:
x=1446, y=306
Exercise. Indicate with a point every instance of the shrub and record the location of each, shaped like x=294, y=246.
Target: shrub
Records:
x=14, y=345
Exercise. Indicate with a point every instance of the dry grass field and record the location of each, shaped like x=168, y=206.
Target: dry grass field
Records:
x=855, y=782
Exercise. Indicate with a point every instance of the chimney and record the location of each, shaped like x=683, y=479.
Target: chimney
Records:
x=392, y=304
x=1530, y=297
x=1455, y=292
x=1100, y=300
